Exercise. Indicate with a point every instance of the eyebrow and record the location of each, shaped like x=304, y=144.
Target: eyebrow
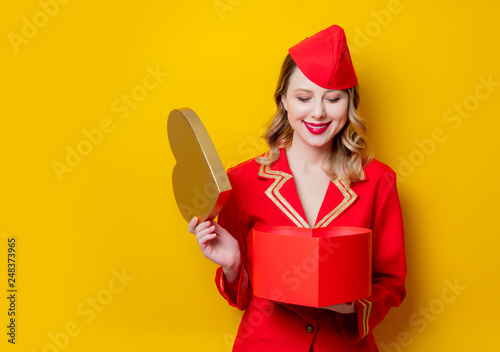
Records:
x=310, y=91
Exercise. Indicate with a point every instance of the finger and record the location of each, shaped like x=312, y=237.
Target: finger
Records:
x=202, y=233
x=192, y=225
x=203, y=226
x=218, y=228
x=207, y=237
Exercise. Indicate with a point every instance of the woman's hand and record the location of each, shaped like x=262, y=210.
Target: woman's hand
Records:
x=217, y=245
x=344, y=308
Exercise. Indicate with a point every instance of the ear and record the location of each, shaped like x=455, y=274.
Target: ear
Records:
x=283, y=100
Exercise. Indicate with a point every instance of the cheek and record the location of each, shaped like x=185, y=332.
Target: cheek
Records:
x=338, y=112
x=297, y=110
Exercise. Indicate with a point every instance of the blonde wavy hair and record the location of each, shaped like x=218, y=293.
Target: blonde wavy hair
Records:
x=349, y=151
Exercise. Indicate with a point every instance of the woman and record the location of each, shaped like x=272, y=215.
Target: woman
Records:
x=316, y=174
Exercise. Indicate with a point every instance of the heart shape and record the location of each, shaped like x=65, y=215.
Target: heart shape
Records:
x=201, y=186
x=310, y=267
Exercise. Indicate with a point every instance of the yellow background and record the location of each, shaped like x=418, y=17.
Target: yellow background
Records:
x=115, y=211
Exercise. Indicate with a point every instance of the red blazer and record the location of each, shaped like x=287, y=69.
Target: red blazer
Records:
x=266, y=195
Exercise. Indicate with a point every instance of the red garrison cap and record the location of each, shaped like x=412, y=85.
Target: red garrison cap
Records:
x=324, y=58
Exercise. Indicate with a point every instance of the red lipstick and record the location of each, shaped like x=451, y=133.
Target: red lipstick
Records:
x=316, y=128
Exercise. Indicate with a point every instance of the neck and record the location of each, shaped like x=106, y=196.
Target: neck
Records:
x=307, y=156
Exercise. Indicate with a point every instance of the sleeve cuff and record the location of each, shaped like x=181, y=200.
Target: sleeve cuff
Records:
x=241, y=292
x=355, y=326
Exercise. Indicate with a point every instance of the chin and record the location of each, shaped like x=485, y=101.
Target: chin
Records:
x=318, y=144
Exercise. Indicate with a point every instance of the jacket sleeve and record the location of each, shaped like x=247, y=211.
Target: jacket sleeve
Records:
x=388, y=265
x=230, y=219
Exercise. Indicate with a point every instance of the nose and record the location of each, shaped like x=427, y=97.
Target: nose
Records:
x=318, y=109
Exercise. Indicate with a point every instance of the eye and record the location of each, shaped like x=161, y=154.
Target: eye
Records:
x=303, y=99
x=334, y=100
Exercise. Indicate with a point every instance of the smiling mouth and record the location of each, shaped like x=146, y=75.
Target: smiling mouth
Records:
x=317, y=128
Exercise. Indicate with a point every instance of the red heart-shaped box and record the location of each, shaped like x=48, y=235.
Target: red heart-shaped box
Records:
x=312, y=267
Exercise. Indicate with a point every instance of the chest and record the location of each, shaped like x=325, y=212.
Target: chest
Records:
x=276, y=198
x=311, y=190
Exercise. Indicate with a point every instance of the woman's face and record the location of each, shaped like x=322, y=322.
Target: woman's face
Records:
x=316, y=114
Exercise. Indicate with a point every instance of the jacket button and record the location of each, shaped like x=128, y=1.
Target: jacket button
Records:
x=309, y=328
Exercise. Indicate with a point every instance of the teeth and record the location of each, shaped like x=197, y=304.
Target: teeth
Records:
x=317, y=128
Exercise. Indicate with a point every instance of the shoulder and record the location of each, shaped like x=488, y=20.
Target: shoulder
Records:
x=378, y=171
x=376, y=167
x=245, y=171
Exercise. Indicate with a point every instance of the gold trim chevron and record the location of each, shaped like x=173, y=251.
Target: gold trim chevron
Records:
x=367, y=308
x=273, y=192
x=349, y=197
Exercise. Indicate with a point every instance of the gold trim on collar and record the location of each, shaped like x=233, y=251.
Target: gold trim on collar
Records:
x=363, y=176
x=273, y=192
x=349, y=197
x=277, y=198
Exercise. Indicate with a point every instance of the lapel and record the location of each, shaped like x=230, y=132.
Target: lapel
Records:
x=282, y=192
